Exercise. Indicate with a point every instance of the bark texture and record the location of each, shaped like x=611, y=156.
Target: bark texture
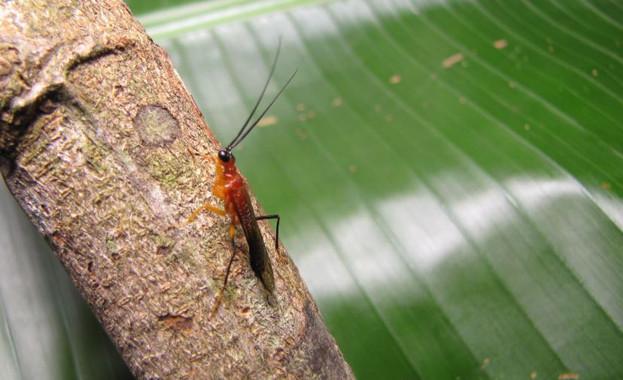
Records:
x=101, y=143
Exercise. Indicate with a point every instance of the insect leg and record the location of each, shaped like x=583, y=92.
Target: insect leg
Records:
x=272, y=216
x=205, y=207
x=219, y=296
x=232, y=235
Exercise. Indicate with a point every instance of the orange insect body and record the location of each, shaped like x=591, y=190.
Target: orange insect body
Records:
x=230, y=187
x=227, y=186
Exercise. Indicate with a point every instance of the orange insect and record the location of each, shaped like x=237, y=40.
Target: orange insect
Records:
x=231, y=188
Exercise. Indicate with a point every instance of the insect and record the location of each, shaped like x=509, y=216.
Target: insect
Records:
x=231, y=189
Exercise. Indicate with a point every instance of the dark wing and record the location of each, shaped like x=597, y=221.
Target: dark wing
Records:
x=258, y=256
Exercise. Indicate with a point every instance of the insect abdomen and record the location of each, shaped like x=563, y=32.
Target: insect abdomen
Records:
x=258, y=256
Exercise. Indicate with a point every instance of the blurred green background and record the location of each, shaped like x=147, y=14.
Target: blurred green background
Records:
x=449, y=176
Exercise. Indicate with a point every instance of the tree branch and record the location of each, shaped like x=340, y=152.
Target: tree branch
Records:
x=100, y=144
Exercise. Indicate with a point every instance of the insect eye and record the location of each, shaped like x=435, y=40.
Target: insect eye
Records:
x=224, y=155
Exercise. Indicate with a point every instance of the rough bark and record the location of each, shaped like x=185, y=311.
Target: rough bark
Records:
x=101, y=143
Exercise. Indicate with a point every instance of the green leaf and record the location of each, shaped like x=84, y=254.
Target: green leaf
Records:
x=449, y=176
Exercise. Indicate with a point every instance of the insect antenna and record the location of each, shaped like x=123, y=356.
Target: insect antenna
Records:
x=259, y=99
x=254, y=124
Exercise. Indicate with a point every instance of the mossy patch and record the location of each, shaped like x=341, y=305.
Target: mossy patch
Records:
x=167, y=169
x=156, y=125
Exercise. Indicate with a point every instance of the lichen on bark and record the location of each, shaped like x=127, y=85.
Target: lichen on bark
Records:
x=101, y=145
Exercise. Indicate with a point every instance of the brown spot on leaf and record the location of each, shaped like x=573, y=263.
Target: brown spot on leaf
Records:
x=156, y=125
x=485, y=363
x=395, y=79
x=500, y=44
x=452, y=60
x=268, y=120
x=568, y=376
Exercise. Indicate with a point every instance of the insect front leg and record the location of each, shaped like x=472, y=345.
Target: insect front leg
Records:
x=272, y=216
x=205, y=207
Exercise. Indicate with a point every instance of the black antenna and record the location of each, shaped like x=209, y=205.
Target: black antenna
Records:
x=233, y=143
